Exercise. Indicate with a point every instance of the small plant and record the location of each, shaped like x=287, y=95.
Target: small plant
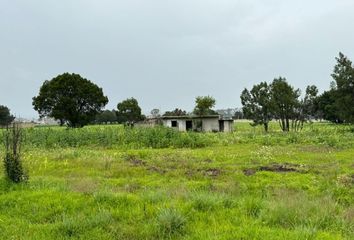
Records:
x=252, y=206
x=205, y=202
x=170, y=222
x=12, y=161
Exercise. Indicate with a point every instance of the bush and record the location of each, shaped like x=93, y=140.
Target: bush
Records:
x=170, y=222
x=252, y=206
x=12, y=160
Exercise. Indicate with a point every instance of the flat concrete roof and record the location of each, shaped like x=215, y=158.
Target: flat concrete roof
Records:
x=191, y=117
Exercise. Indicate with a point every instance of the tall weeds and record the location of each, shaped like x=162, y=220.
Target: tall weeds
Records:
x=325, y=134
x=12, y=160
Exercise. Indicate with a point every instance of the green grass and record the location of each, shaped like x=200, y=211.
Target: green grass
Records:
x=107, y=182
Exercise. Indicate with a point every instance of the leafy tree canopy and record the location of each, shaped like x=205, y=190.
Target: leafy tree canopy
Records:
x=5, y=117
x=326, y=104
x=257, y=104
x=343, y=74
x=278, y=100
x=309, y=103
x=71, y=99
x=129, y=111
x=284, y=101
x=106, y=116
x=204, y=105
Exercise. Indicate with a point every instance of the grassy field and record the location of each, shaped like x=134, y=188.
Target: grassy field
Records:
x=107, y=182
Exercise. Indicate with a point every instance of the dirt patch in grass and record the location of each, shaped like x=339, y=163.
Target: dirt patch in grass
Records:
x=137, y=162
x=212, y=172
x=132, y=187
x=249, y=171
x=208, y=160
x=276, y=167
x=346, y=180
x=156, y=169
x=349, y=214
x=134, y=161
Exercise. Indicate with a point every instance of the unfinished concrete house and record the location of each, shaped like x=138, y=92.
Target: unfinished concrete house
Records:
x=209, y=123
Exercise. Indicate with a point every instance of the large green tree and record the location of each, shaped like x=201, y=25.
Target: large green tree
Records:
x=204, y=105
x=129, y=111
x=343, y=74
x=106, y=116
x=71, y=99
x=284, y=101
x=257, y=104
x=305, y=109
x=326, y=104
x=310, y=102
x=5, y=116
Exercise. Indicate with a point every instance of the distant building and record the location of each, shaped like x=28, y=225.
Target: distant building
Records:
x=209, y=123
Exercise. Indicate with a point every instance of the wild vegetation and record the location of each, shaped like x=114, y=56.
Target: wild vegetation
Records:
x=12, y=158
x=70, y=99
x=5, y=116
x=281, y=101
x=111, y=182
x=266, y=180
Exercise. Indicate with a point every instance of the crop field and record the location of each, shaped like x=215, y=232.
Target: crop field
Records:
x=110, y=182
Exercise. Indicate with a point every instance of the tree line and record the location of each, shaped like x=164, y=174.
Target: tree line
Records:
x=280, y=101
x=75, y=101
x=129, y=112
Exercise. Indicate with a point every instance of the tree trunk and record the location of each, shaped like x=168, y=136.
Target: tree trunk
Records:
x=287, y=124
x=266, y=126
x=283, y=124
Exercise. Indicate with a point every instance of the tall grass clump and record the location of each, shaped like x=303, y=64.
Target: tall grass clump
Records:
x=252, y=206
x=204, y=201
x=297, y=210
x=80, y=226
x=170, y=223
x=12, y=138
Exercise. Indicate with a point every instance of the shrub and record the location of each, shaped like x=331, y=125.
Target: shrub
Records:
x=12, y=160
x=205, y=201
x=252, y=206
x=170, y=222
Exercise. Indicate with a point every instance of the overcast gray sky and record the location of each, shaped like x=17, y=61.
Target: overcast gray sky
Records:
x=167, y=52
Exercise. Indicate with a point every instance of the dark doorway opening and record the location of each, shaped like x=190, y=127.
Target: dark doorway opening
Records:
x=189, y=125
x=221, y=125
